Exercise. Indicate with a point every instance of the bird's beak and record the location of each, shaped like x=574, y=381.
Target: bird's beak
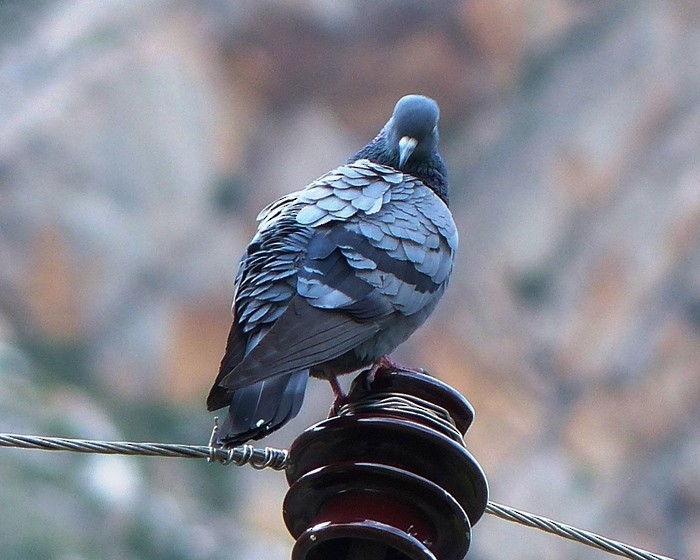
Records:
x=406, y=147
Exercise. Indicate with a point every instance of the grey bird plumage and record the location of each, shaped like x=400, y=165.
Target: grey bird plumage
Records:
x=338, y=274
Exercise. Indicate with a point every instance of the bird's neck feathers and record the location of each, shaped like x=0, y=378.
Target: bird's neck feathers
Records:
x=431, y=170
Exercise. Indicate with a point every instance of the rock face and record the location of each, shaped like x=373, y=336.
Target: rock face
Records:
x=128, y=176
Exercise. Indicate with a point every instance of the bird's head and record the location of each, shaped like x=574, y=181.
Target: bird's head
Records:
x=408, y=142
x=412, y=131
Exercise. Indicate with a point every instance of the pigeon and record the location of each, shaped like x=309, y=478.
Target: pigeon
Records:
x=338, y=275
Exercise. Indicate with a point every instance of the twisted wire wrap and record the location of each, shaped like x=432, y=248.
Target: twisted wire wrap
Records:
x=408, y=406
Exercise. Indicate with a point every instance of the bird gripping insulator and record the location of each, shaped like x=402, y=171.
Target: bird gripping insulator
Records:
x=388, y=477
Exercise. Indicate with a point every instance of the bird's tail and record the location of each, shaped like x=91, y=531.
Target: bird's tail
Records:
x=258, y=409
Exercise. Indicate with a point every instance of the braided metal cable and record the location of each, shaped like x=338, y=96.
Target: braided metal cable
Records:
x=571, y=533
x=277, y=459
x=245, y=454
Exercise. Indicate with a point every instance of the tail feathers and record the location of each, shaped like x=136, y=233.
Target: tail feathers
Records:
x=261, y=408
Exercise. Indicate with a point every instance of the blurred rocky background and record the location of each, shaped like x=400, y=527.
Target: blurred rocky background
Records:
x=138, y=140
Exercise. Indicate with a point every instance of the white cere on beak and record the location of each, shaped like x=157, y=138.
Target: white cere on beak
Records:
x=406, y=146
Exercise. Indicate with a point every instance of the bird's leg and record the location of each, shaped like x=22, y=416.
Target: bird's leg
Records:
x=338, y=392
x=372, y=372
x=340, y=397
x=384, y=363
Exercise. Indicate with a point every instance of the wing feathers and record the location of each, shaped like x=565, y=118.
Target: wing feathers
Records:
x=235, y=350
x=301, y=338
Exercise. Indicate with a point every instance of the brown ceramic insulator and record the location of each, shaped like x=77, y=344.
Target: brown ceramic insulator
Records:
x=386, y=481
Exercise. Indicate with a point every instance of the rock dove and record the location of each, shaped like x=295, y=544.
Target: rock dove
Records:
x=338, y=274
